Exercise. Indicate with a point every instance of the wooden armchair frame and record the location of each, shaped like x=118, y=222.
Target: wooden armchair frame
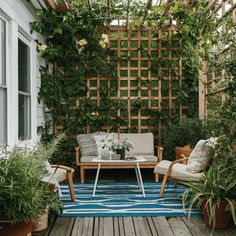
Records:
x=69, y=177
x=167, y=177
x=90, y=165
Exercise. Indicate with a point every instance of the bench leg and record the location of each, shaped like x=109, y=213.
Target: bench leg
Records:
x=82, y=174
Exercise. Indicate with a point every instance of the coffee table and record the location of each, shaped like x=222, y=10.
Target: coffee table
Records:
x=135, y=164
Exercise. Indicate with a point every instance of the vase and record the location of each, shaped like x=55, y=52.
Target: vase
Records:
x=41, y=223
x=121, y=152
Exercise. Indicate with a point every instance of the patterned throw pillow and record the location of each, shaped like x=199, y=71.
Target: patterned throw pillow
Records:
x=199, y=159
x=87, y=145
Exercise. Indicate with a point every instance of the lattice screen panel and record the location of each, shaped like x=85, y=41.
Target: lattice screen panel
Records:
x=148, y=78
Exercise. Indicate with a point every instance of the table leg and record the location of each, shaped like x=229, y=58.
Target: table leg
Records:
x=140, y=179
x=137, y=176
x=96, y=180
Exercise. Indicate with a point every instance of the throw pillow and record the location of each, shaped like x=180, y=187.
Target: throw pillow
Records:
x=100, y=140
x=199, y=159
x=87, y=145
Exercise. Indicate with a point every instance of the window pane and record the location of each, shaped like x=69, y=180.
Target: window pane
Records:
x=3, y=116
x=23, y=67
x=2, y=52
x=24, y=129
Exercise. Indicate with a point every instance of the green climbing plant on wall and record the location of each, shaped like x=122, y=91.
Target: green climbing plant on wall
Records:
x=76, y=51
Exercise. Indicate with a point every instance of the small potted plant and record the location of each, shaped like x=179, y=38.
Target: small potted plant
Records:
x=118, y=146
x=216, y=194
x=22, y=194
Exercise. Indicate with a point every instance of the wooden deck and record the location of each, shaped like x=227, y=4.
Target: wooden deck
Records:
x=133, y=226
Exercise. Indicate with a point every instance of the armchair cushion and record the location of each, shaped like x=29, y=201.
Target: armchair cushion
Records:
x=179, y=171
x=87, y=145
x=199, y=158
x=60, y=174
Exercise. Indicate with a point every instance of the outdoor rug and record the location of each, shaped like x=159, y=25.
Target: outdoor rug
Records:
x=123, y=199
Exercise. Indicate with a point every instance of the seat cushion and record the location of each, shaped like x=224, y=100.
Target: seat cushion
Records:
x=60, y=174
x=199, y=159
x=148, y=157
x=143, y=143
x=87, y=145
x=179, y=171
x=87, y=158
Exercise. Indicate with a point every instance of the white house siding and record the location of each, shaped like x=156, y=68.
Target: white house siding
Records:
x=18, y=14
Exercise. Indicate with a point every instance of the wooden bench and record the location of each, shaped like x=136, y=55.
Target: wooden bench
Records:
x=85, y=165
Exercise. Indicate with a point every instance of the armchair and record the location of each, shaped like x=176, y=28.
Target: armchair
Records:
x=186, y=169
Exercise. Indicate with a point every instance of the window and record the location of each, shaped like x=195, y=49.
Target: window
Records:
x=24, y=91
x=3, y=87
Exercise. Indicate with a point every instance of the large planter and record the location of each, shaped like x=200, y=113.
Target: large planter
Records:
x=186, y=150
x=223, y=219
x=41, y=223
x=7, y=228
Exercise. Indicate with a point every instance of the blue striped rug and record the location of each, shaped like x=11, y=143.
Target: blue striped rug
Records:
x=123, y=199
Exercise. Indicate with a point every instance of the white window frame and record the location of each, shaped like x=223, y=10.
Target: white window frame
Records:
x=28, y=94
x=5, y=86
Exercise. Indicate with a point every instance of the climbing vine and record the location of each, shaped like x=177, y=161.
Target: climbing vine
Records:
x=76, y=51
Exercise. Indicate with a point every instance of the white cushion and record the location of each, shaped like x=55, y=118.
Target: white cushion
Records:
x=87, y=158
x=143, y=143
x=199, y=158
x=60, y=174
x=179, y=171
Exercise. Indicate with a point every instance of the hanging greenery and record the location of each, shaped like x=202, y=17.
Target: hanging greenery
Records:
x=75, y=51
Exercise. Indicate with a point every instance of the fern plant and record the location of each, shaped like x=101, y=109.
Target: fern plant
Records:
x=22, y=194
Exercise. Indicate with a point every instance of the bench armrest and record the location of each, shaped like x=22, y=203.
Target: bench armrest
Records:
x=159, y=153
x=77, y=157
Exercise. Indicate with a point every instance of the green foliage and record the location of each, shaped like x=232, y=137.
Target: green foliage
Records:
x=187, y=131
x=65, y=83
x=218, y=184
x=22, y=194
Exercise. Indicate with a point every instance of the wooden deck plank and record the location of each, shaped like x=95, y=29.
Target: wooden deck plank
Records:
x=162, y=226
x=128, y=226
x=194, y=227
x=179, y=227
x=152, y=226
x=137, y=226
x=108, y=229
x=144, y=226
x=121, y=226
x=116, y=226
x=101, y=226
x=63, y=226
x=96, y=226
x=78, y=227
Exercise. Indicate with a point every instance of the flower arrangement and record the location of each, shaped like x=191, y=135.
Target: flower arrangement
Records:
x=113, y=145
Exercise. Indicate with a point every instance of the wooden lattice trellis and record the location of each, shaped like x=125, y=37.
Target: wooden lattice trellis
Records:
x=149, y=69
x=208, y=89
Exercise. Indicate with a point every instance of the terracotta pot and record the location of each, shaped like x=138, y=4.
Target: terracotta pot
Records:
x=41, y=223
x=186, y=150
x=16, y=229
x=223, y=219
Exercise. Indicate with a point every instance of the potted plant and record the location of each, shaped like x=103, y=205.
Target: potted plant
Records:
x=22, y=192
x=180, y=137
x=216, y=194
x=117, y=146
